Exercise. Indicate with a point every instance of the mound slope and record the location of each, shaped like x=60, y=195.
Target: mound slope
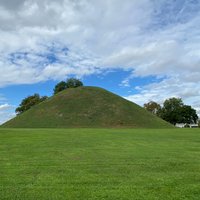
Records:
x=86, y=107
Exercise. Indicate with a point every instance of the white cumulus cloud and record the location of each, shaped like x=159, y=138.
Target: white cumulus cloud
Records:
x=6, y=112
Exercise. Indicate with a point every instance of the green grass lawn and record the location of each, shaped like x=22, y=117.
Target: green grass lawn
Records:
x=89, y=164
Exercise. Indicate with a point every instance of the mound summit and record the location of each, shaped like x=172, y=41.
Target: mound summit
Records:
x=86, y=107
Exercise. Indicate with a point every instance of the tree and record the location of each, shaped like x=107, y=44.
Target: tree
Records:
x=153, y=107
x=188, y=114
x=171, y=110
x=70, y=83
x=29, y=102
x=174, y=111
x=60, y=87
x=73, y=83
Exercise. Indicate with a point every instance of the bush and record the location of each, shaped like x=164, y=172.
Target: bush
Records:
x=29, y=102
x=60, y=87
x=70, y=83
x=73, y=83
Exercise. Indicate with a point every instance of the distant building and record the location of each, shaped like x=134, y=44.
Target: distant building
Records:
x=194, y=125
x=183, y=125
x=180, y=125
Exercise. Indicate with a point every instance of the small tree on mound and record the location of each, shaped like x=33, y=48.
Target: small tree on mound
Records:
x=60, y=87
x=73, y=83
x=29, y=102
x=70, y=83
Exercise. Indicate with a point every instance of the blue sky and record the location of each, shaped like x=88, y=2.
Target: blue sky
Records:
x=142, y=50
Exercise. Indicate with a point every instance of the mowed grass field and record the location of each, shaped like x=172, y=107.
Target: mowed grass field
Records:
x=107, y=164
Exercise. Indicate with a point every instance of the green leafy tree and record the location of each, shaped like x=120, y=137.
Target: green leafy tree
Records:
x=73, y=83
x=153, y=107
x=174, y=111
x=29, y=102
x=70, y=83
x=60, y=87
x=188, y=114
x=171, y=110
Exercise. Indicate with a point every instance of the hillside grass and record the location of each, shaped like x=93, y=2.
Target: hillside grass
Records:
x=86, y=107
x=109, y=164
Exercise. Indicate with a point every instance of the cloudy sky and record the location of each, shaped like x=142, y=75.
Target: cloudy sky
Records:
x=142, y=50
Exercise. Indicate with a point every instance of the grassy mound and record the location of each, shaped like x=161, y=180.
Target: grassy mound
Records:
x=86, y=107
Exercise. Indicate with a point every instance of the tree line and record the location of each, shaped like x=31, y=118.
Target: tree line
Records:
x=35, y=99
x=173, y=111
